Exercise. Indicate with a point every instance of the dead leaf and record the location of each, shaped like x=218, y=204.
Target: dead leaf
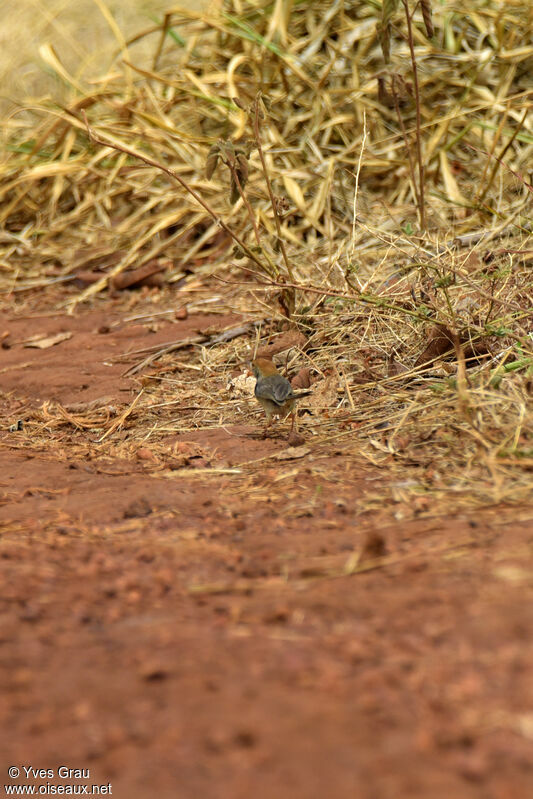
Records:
x=440, y=343
x=373, y=547
x=295, y=439
x=86, y=277
x=394, y=368
x=145, y=454
x=291, y=453
x=138, y=509
x=48, y=341
x=292, y=338
x=147, y=275
x=302, y=379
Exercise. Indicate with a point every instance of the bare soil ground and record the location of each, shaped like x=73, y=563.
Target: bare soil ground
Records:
x=232, y=622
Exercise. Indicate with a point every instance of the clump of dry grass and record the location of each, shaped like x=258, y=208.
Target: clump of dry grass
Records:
x=417, y=327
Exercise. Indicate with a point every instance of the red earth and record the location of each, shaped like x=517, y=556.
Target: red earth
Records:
x=218, y=629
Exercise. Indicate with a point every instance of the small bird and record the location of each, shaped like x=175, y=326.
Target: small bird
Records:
x=274, y=392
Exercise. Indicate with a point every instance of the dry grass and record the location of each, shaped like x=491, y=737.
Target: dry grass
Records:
x=413, y=307
x=86, y=37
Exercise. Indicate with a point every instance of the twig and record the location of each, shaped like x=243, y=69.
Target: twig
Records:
x=499, y=159
x=422, y=204
x=245, y=200
x=269, y=186
x=462, y=383
x=173, y=346
x=122, y=418
x=170, y=172
x=356, y=189
x=406, y=140
x=362, y=298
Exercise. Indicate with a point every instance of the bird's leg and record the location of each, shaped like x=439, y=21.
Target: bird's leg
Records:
x=293, y=417
x=269, y=422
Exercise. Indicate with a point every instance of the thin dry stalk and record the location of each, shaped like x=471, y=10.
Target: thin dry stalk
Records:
x=172, y=174
x=257, y=134
x=418, y=129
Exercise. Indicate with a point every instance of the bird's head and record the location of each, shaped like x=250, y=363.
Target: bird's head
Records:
x=264, y=367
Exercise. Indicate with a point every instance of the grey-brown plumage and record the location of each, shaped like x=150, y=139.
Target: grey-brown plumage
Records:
x=273, y=391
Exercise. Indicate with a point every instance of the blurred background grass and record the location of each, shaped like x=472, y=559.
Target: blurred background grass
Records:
x=79, y=33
